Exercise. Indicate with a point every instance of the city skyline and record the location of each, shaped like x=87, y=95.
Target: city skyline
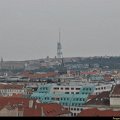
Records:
x=29, y=29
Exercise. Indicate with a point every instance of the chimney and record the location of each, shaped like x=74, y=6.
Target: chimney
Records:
x=35, y=106
x=30, y=103
x=42, y=112
x=20, y=111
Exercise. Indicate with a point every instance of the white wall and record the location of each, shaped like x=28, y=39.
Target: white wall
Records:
x=114, y=101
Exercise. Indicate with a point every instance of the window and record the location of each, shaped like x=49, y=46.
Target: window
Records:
x=74, y=108
x=77, y=109
x=77, y=88
x=61, y=88
x=74, y=99
x=76, y=104
x=74, y=114
x=66, y=88
x=86, y=88
x=79, y=104
x=83, y=88
x=52, y=98
x=71, y=108
x=104, y=87
x=47, y=98
x=77, y=92
x=66, y=92
x=56, y=88
x=90, y=89
x=96, y=88
x=72, y=92
x=57, y=99
x=101, y=87
x=77, y=99
x=66, y=104
x=72, y=88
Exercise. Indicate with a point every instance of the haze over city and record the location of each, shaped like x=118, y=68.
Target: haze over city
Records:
x=29, y=28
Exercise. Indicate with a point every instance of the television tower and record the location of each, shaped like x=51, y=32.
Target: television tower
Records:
x=59, y=47
x=1, y=63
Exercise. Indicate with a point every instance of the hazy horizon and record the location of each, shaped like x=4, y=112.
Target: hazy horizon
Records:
x=29, y=28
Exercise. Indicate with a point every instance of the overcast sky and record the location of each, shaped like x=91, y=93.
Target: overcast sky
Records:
x=29, y=28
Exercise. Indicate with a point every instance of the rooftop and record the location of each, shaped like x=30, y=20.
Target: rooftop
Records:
x=96, y=112
x=23, y=104
x=11, y=86
x=101, y=99
x=116, y=90
x=37, y=75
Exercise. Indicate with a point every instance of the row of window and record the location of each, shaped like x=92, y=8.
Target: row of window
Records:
x=71, y=93
x=76, y=109
x=46, y=98
x=79, y=99
x=65, y=99
x=74, y=99
x=67, y=88
x=73, y=114
x=73, y=104
x=43, y=88
x=10, y=90
x=87, y=89
x=101, y=88
x=83, y=93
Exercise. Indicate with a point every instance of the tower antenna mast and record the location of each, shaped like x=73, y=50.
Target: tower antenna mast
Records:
x=59, y=46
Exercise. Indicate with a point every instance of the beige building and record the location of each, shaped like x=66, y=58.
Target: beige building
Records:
x=12, y=89
x=9, y=111
x=115, y=96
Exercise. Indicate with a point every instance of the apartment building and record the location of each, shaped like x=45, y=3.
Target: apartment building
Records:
x=11, y=89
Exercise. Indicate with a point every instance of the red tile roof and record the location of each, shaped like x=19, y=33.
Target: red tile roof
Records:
x=91, y=97
x=51, y=109
x=101, y=99
x=116, y=90
x=11, y=86
x=96, y=112
x=14, y=100
x=16, y=95
x=36, y=75
x=31, y=112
